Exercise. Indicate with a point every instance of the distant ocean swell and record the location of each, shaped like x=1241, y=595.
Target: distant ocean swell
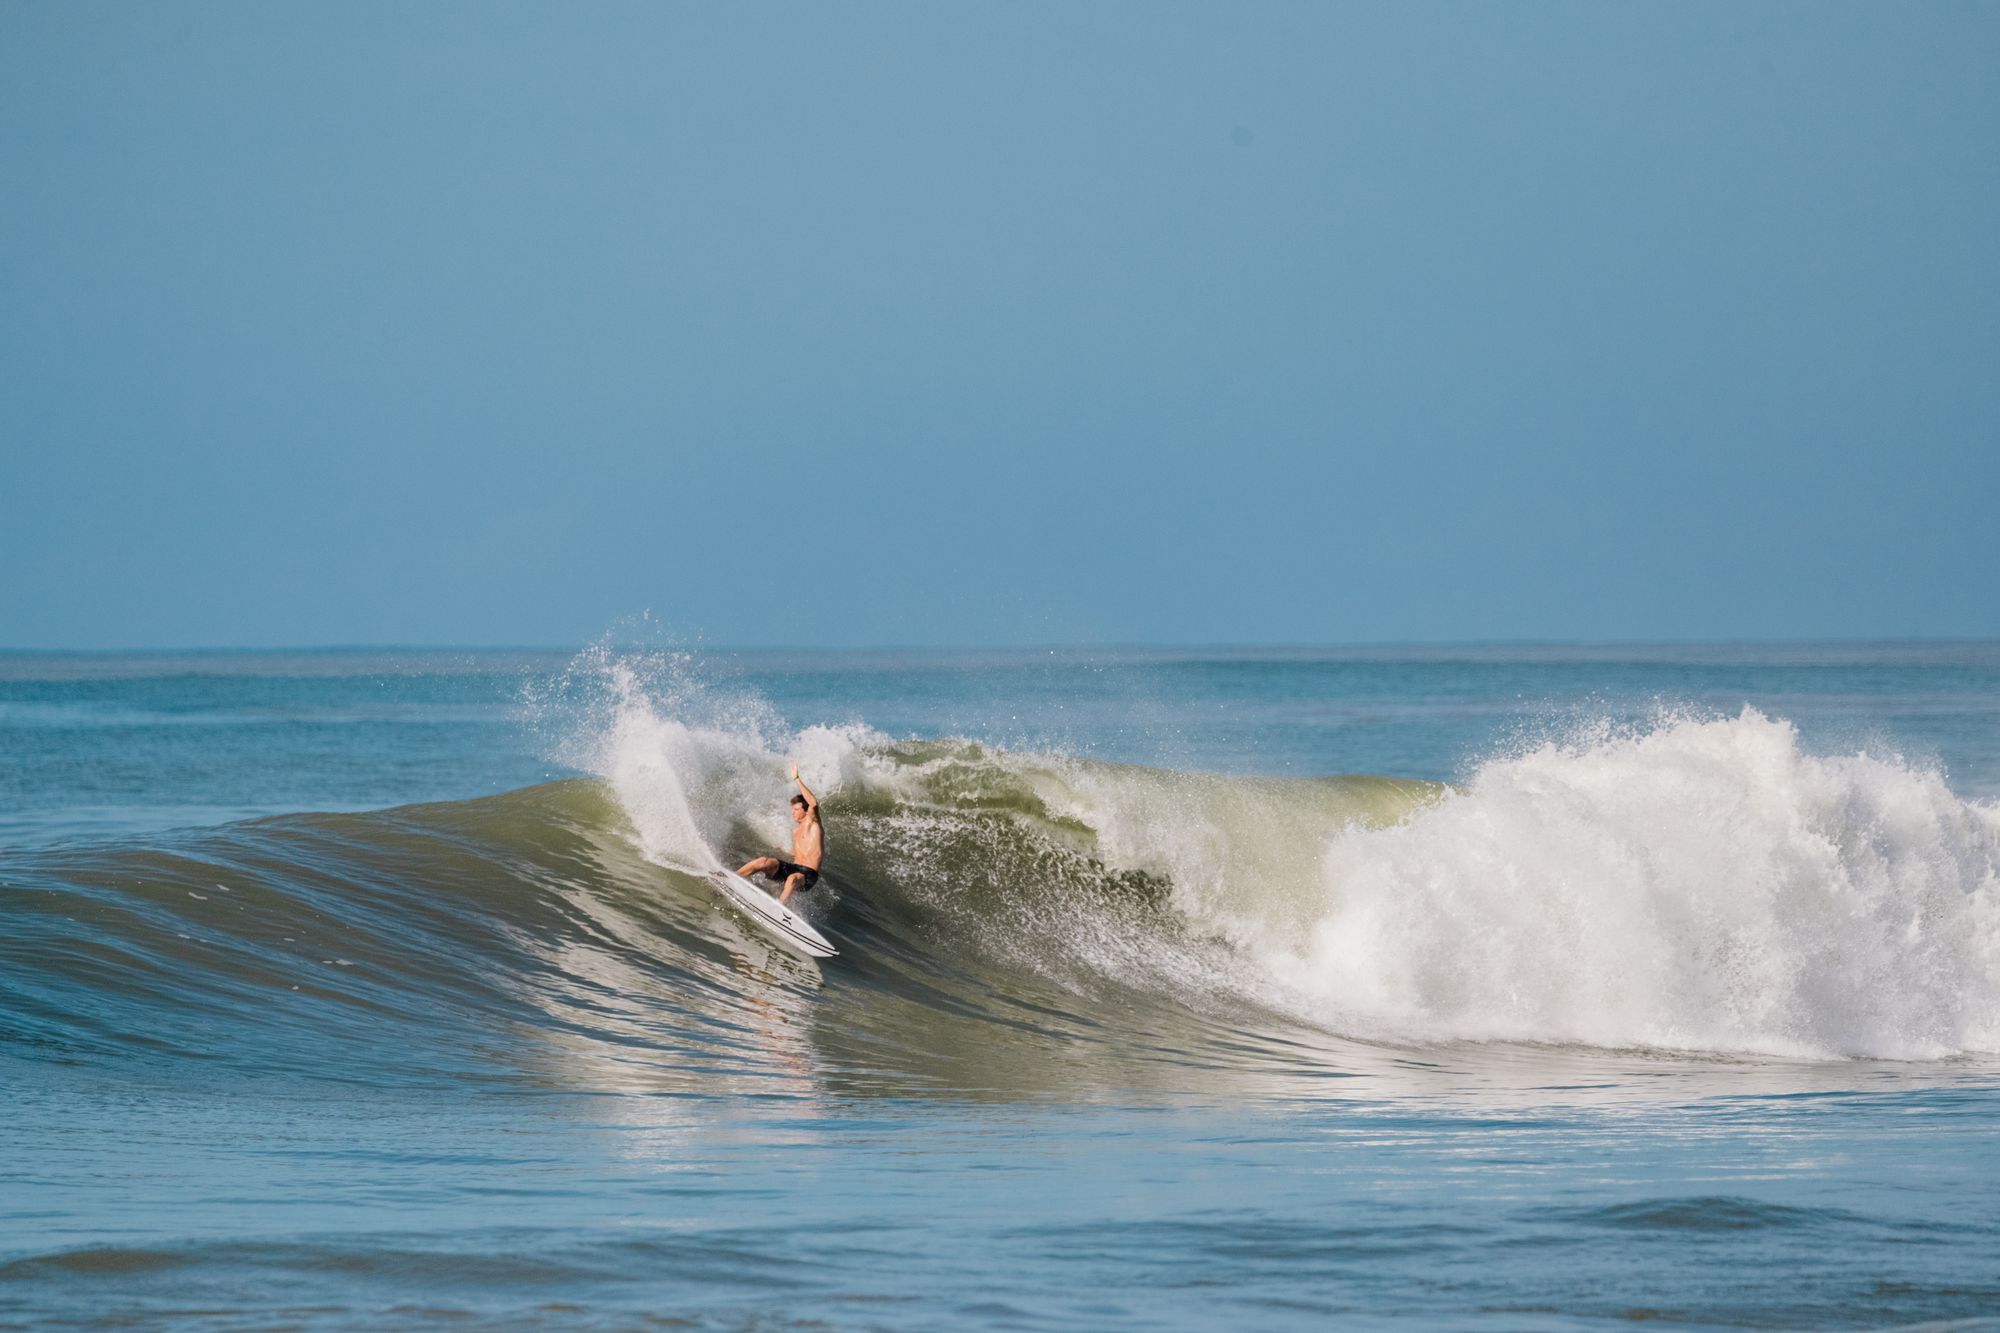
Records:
x=1701, y=885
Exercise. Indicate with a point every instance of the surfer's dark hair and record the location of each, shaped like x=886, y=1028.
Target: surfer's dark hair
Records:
x=800, y=801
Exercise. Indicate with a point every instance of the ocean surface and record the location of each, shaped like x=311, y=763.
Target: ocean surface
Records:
x=1489, y=988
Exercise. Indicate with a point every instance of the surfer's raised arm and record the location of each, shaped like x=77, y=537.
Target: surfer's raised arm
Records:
x=812, y=801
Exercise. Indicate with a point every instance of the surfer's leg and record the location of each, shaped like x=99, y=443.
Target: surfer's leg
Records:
x=792, y=883
x=763, y=865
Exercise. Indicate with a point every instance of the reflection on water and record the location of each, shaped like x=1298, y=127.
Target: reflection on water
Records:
x=1452, y=1190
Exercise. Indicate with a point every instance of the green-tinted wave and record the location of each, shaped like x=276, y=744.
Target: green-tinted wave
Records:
x=993, y=935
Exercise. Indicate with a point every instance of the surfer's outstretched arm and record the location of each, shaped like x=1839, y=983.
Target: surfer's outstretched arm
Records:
x=812, y=801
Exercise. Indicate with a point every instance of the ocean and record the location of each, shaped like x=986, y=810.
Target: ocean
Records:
x=1509, y=987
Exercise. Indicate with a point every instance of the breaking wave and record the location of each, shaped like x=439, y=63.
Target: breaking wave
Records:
x=1695, y=885
x=1701, y=884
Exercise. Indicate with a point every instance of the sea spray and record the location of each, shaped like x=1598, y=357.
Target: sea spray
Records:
x=690, y=762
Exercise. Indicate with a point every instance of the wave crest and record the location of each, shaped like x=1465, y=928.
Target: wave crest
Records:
x=1700, y=884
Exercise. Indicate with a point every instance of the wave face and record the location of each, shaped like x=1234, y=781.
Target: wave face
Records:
x=1020, y=920
x=1694, y=885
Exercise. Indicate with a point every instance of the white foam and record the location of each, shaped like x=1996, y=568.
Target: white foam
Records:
x=1704, y=885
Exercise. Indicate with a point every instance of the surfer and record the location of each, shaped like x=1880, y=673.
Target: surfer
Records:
x=808, y=846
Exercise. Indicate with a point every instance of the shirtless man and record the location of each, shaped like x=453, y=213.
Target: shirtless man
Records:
x=808, y=846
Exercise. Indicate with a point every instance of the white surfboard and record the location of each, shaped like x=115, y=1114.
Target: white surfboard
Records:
x=779, y=921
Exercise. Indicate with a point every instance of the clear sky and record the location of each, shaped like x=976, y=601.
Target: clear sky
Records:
x=997, y=323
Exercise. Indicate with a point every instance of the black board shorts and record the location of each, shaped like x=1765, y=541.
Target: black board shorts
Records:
x=786, y=869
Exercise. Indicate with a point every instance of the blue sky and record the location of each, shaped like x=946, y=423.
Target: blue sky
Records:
x=996, y=324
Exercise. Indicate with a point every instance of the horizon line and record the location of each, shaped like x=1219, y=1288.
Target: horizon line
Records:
x=1049, y=646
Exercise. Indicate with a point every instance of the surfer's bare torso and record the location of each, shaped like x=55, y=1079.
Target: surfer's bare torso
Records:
x=808, y=837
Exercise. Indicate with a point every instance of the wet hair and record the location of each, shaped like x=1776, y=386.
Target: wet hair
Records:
x=800, y=801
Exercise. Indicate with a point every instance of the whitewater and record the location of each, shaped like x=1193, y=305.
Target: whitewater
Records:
x=1516, y=988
